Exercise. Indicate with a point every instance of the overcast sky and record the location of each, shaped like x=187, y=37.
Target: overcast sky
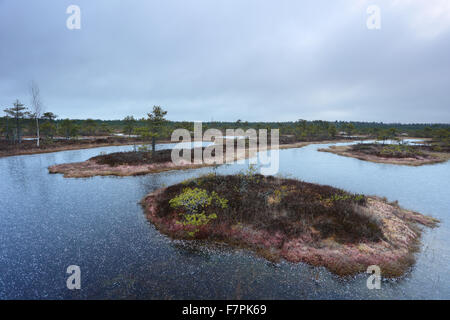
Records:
x=255, y=60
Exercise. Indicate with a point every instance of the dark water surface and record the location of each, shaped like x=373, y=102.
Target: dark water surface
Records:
x=48, y=222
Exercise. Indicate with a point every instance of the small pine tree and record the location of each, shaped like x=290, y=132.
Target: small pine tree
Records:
x=155, y=120
x=17, y=112
x=130, y=123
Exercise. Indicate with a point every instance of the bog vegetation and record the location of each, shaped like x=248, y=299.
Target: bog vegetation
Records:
x=139, y=157
x=273, y=204
x=401, y=150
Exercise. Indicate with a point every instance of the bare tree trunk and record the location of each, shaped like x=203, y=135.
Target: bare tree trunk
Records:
x=38, y=107
x=37, y=131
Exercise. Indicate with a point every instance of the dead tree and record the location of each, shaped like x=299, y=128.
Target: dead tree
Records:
x=37, y=106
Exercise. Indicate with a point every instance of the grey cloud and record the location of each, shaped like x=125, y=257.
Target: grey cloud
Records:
x=253, y=60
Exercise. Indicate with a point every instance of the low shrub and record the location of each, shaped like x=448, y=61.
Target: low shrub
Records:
x=193, y=202
x=289, y=206
x=140, y=157
x=391, y=150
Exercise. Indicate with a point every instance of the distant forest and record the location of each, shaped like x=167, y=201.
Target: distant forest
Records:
x=19, y=122
x=299, y=129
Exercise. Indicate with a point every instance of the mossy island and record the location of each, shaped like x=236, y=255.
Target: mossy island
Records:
x=400, y=154
x=121, y=164
x=143, y=161
x=289, y=219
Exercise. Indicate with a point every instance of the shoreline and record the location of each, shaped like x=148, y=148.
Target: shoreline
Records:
x=90, y=168
x=93, y=145
x=438, y=157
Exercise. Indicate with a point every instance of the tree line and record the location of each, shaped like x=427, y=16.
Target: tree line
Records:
x=44, y=125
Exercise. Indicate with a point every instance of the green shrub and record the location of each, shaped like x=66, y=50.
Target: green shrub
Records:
x=194, y=202
x=268, y=203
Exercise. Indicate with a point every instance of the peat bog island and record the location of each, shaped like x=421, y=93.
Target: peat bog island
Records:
x=225, y=151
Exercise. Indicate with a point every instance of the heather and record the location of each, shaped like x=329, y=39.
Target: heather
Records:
x=290, y=206
x=289, y=219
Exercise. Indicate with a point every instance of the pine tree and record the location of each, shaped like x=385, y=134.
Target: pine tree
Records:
x=156, y=120
x=130, y=123
x=18, y=112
